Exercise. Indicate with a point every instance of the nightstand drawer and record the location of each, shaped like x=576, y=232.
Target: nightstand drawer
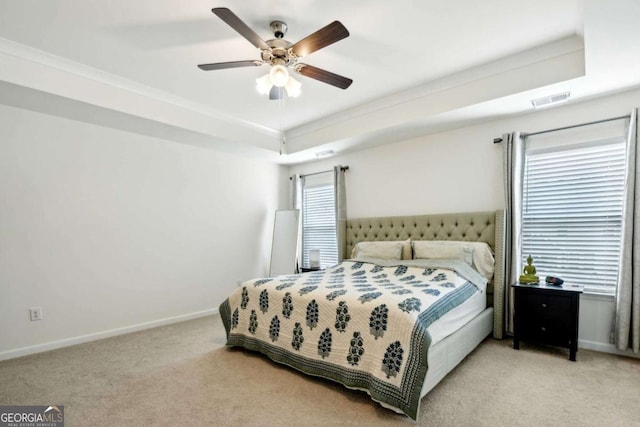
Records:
x=551, y=333
x=548, y=307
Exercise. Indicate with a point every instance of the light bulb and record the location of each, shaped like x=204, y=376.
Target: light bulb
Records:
x=293, y=87
x=263, y=84
x=279, y=75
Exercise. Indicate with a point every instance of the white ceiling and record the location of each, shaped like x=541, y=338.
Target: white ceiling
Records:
x=417, y=66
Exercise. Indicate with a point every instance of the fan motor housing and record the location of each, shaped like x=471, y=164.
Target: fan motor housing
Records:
x=279, y=51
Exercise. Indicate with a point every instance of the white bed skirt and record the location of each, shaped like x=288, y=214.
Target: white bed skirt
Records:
x=446, y=354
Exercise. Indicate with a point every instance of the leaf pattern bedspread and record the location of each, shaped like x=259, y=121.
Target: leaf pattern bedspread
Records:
x=360, y=323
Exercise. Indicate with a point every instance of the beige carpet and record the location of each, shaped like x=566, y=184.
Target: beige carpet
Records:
x=182, y=375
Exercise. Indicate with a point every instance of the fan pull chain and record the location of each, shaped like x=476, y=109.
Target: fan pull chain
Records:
x=283, y=141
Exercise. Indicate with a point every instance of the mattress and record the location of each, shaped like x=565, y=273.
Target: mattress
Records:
x=458, y=317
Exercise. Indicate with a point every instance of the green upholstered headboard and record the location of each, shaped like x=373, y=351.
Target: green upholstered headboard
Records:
x=486, y=227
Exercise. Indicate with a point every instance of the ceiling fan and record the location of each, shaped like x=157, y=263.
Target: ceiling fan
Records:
x=282, y=55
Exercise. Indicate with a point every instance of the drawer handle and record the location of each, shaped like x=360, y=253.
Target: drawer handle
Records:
x=544, y=305
x=543, y=329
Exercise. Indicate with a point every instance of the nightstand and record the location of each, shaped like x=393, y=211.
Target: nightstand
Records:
x=547, y=314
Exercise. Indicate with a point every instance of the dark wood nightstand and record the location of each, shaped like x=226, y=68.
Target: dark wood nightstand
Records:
x=547, y=314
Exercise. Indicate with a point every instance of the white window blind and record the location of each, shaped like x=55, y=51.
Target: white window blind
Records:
x=572, y=213
x=319, y=224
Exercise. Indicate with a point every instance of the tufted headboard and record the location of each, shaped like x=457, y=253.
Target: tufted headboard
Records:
x=472, y=226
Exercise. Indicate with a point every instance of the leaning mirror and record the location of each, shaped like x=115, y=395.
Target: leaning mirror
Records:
x=284, y=248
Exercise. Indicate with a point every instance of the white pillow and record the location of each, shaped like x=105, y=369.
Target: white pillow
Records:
x=477, y=254
x=382, y=250
x=483, y=259
x=434, y=249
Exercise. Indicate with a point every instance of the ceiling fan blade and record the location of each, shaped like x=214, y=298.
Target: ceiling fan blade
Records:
x=236, y=23
x=233, y=64
x=322, y=38
x=276, y=93
x=323, y=76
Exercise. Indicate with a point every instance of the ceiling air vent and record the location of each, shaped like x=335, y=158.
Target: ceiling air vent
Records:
x=547, y=101
x=327, y=153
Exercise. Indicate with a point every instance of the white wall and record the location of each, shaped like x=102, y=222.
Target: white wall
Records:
x=106, y=229
x=461, y=171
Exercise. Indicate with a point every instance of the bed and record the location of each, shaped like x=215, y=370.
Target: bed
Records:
x=390, y=326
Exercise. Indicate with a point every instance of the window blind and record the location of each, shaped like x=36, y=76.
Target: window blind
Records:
x=572, y=213
x=319, y=224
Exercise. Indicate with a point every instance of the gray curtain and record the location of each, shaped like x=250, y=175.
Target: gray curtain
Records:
x=341, y=210
x=513, y=150
x=297, y=183
x=627, y=323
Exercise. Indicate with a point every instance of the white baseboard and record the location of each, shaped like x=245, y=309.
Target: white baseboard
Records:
x=52, y=345
x=605, y=348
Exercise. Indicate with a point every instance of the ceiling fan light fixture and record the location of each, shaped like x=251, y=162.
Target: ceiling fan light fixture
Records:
x=263, y=84
x=279, y=75
x=293, y=87
x=279, y=54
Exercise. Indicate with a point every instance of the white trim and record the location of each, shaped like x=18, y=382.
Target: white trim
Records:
x=55, y=86
x=605, y=348
x=52, y=345
x=50, y=60
x=551, y=63
x=597, y=296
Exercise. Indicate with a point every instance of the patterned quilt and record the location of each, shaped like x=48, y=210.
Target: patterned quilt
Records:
x=360, y=323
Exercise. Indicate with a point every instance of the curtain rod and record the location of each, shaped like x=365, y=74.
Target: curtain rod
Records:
x=343, y=168
x=524, y=135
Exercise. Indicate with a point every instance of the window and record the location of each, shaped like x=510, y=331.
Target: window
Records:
x=319, y=219
x=572, y=212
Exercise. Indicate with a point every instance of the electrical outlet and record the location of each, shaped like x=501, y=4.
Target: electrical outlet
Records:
x=239, y=283
x=36, y=313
